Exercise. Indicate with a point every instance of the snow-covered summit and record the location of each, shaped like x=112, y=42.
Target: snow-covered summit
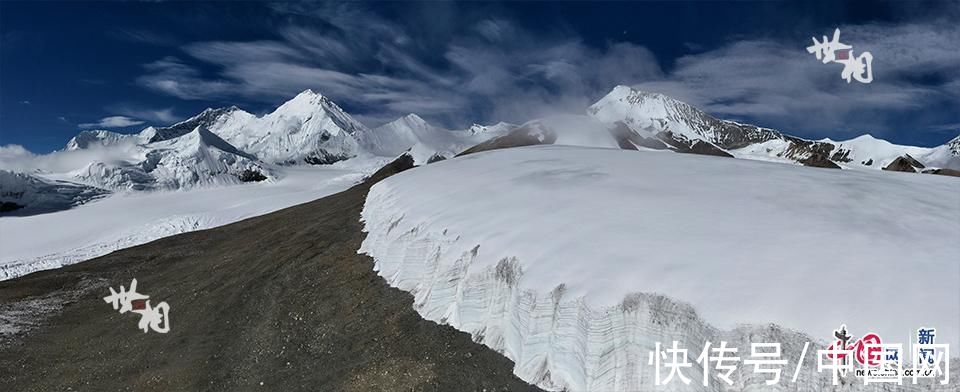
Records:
x=424, y=141
x=685, y=128
x=944, y=156
x=649, y=111
x=306, y=129
x=864, y=148
x=97, y=138
x=197, y=158
x=210, y=118
x=225, y=145
x=399, y=135
x=26, y=194
x=498, y=129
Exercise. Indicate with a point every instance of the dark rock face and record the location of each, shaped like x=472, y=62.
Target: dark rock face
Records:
x=800, y=149
x=904, y=163
x=900, y=164
x=323, y=157
x=627, y=139
x=522, y=136
x=7, y=206
x=913, y=162
x=819, y=160
x=731, y=135
x=436, y=158
x=943, y=172
x=252, y=176
x=621, y=133
x=841, y=155
x=683, y=145
x=704, y=148
x=868, y=162
x=205, y=119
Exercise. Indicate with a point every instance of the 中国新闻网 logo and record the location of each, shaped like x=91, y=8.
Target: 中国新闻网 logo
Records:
x=884, y=362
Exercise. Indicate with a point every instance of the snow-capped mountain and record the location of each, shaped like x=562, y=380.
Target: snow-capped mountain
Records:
x=25, y=194
x=197, y=158
x=687, y=129
x=99, y=138
x=945, y=156
x=498, y=129
x=306, y=129
x=424, y=142
x=631, y=119
x=229, y=145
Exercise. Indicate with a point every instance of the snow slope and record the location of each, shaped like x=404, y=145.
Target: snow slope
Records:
x=98, y=138
x=682, y=126
x=308, y=128
x=573, y=261
x=197, y=158
x=38, y=242
x=25, y=194
x=425, y=142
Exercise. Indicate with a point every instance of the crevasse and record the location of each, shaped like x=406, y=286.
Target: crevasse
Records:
x=559, y=342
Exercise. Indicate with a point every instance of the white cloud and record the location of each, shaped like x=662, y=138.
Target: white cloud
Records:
x=522, y=77
x=157, y=116
x=14, y=157
x=112, y=122
x=494, y=70
x=781, y=83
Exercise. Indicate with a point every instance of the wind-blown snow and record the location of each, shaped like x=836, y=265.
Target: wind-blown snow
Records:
x=540, y=253
x=424, y=142
x=46, y=241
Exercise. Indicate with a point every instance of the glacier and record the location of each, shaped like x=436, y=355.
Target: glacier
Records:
x=573, y=262
x=121, y=220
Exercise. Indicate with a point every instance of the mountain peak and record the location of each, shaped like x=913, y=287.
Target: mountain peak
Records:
x=306, y=104
x=411, y=120
x=309, y=97
x=630, y=93
x=865, y=138
x=642, y=109
x=207, y=118
x=414, y=117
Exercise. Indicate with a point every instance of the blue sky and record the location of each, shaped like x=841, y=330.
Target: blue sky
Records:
x=70, y=66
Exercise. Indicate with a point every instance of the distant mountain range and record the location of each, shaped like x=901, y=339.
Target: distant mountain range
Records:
x=630, y=119
x=229, y=146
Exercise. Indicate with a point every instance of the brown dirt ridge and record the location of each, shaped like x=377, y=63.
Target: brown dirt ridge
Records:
x=280, y=302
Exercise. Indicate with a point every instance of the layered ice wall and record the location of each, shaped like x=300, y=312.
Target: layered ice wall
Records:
x=574, y=262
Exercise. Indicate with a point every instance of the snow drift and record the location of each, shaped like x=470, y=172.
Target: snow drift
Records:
x=573, y=262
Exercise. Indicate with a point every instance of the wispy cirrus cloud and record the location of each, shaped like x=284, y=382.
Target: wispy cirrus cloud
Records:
x=781, y=83
x=144, y=37
x=15, y=157
x=162, y=116
x=112, y=122
x=492, y=69
x=495, y=70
